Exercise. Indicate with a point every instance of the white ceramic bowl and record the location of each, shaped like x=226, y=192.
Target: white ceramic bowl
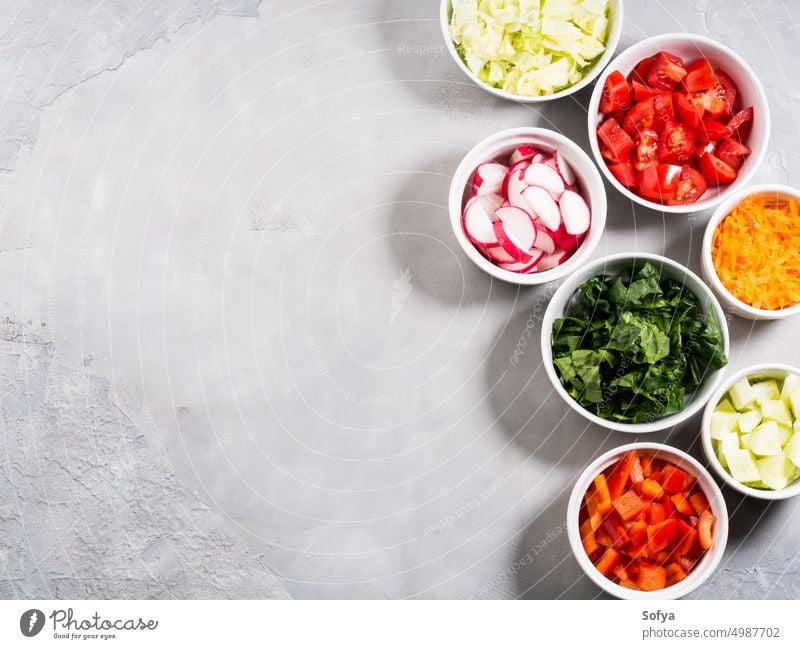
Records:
x=761, y=371
x=701, y=572
x=728, y=300
x=498, y=147
x=614, y=264
x=612, y=40
x=751, y=92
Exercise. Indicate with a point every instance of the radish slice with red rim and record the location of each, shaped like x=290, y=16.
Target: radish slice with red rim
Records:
x=544, y=240
x=488, y=178
x=569, y=242
x=521, y=153
x=553, y=260
x=543, y=175
x=540, y=203
x=479, y=213
x=516, y=253
x=563, y=168
x=515, y=188
x=574, y=212
x=498, y=255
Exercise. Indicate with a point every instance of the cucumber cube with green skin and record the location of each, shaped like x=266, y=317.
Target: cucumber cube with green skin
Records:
x=765, y=439
x=741, y=394
x=723, y=423
x=792, y=449
x=776, y=471
x=766, y=390
x=724, y=406
x=749, y=419
x=790, y=384
x=775, y=410
x=742, y=466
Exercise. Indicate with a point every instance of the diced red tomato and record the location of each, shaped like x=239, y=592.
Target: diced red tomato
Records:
x=711, y=130
x=729, y=91
x=691, y=187
x=715, y=171
x=688, y=111
x=642, y=91
x=675, y=144
x=699, y=76
x=640, y=71
x=616, y=141
x=616, y=93
x=646, y=154
x=733, y=152
x=741, y=123
x=659, y=183
x=624, y=173
x=665, y=71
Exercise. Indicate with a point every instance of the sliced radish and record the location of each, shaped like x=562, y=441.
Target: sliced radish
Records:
x=523, y=152
x=518, y=225
x=569, y=242
x=505, y=203
x=498, y=255
x=488, y=178
x=575, y=212
x=563, y=168
x=516, y=253
x=551, y=261
x=544, y=240
x=514, y=191
x=521, y=267
x=539, y=157
x=479, y=212
x=542, y=175
x=540, y=203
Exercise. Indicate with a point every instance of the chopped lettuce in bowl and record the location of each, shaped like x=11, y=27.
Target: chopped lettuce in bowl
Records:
x=531, y=48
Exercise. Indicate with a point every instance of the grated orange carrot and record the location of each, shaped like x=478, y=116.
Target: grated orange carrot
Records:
x=756, y=251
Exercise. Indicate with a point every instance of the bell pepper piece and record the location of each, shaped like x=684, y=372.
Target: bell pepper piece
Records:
x=659, y=536
x=618, y=478
x=619, y=537
x=704, y=529
x=587, y=538
x=637, y=532
x=682, y=504
x=675, y=573
x=651, y=489
x=673, y=479
x=655, y=513
x=651, y=577
x=637, y=473
x=699, y=502
x=607, y=562
x=601, y=489
x=629, y=505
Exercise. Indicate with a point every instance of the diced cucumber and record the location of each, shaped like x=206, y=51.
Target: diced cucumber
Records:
x=723, y=423
x=790, y=384
x=775, y=410
x=745, y=439
x=729, y=444
x=741, y=394
x=792, y=449
x=724, y=406
x=794, y=403
x=749, y=419
x=742, y=466
x=776, y=471
x=784, y=434
x=765, y=439
x=766, y=390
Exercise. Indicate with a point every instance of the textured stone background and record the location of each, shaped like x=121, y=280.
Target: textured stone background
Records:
x=241, y=354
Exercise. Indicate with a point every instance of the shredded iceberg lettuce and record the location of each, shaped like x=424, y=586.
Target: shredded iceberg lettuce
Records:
x=530, y=47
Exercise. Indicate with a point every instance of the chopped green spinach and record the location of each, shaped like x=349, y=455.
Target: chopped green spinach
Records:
x=631, y=347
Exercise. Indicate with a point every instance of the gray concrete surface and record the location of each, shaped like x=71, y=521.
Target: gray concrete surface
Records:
x=242, y=354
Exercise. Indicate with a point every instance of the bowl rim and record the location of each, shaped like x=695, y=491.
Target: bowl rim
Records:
x=612, y=41
x=766, y=369
x=646, y=427
x=701, y=572
x=722, y=210
x=599, y=205
x=648, y=43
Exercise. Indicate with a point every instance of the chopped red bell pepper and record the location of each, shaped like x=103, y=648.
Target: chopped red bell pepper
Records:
x=618, y=478
x=661, y=535
x=651, y=489
x=682, y=504
x=673, y=479
x=699, y=502
x=704, y=529
x=607, y=562
x=629, y=505
x=651, y=577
